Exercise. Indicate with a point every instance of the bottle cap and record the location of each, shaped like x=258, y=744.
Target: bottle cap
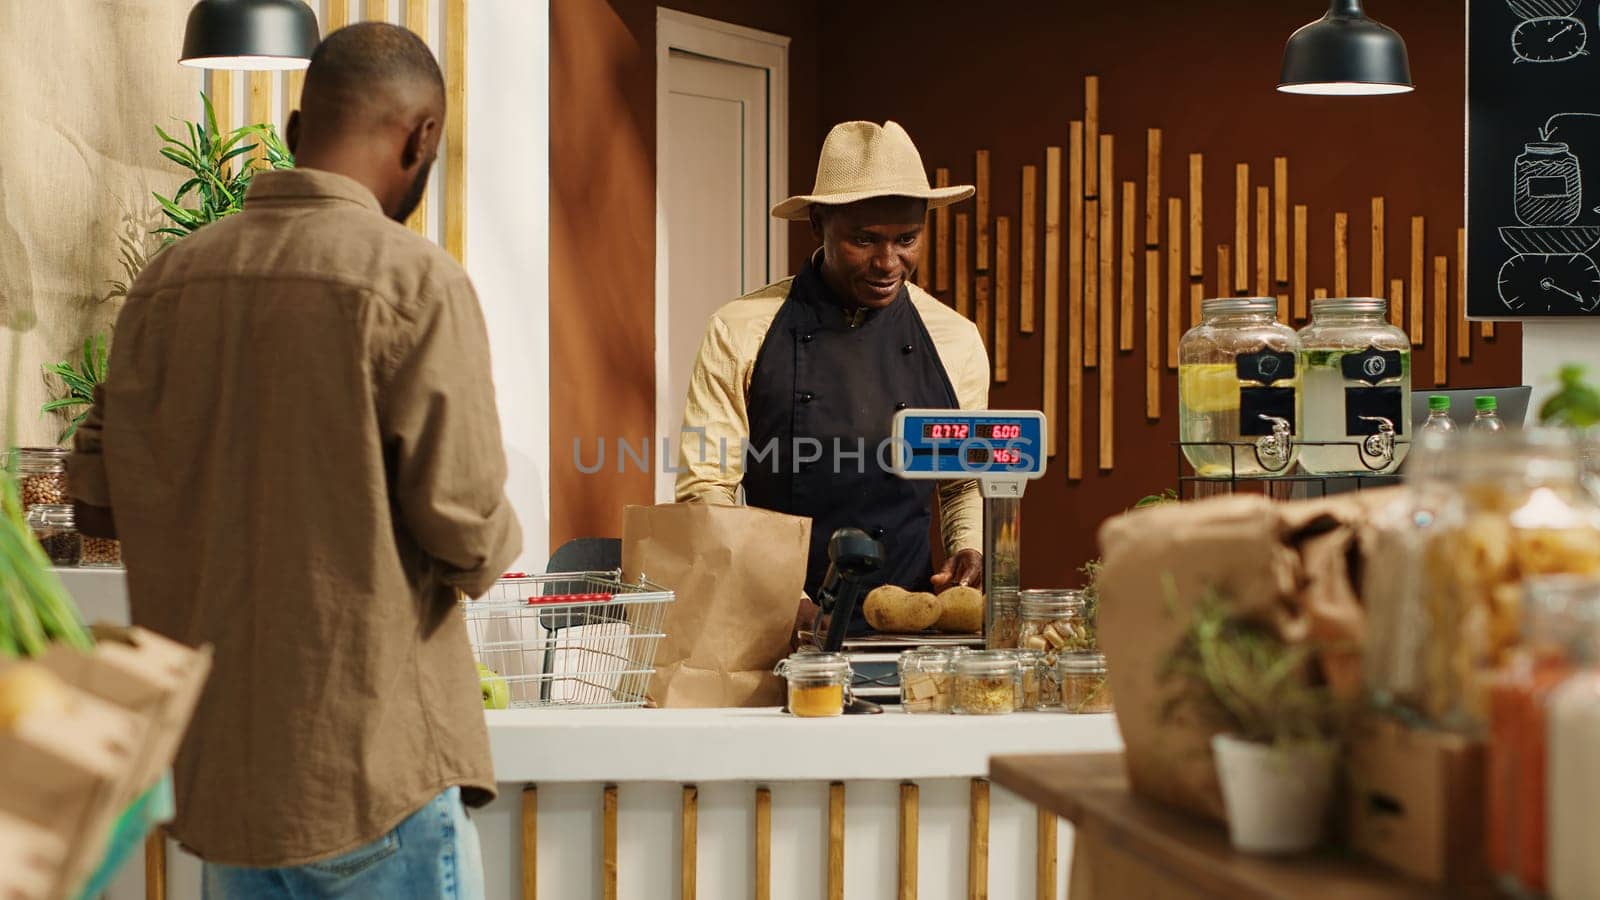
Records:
x=1484, y=404
x=1438, y=403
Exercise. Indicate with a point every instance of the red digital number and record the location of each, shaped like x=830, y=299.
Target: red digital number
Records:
x=1003, y=432
x=950, y=432
x=1007, y=457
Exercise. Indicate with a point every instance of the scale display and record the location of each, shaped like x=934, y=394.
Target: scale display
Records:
x=982, y=444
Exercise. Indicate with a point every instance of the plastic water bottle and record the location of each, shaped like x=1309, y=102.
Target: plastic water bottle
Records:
x=1486, y=419
x=1439, y=416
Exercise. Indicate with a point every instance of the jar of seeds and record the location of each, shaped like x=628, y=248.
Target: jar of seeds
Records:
x=43, y=475
x=102, y=553
x=55, y=529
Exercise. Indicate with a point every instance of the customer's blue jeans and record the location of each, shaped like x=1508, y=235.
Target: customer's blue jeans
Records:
x=433, y=853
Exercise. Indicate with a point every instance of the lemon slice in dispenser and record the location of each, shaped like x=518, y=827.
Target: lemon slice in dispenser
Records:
x=1208, y=387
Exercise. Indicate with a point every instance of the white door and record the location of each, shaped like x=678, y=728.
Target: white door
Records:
x=714, y=191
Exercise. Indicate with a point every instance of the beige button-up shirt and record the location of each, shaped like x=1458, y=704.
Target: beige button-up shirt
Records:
x=300, y=444
x=719, y=396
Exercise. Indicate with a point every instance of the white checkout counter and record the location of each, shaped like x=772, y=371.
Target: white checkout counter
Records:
x=767, y=797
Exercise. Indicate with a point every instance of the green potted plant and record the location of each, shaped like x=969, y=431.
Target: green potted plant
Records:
x=220, y=170
x=79, y=380
x=1276, y=751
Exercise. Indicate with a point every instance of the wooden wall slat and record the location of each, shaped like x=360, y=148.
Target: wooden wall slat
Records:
x=1463, y=327
x=1418, y=249
x=963, y=268
x=1241, y=227
x=608, y=858
x=417, y=22
x=377, y=10
x=1044, y=879
x=1108, y=251
x=1197, y=237
x=1380, y=277
x=220, y=94
x=1075, y=287
x=1319, y=294
x=981, y=167
x=1397, y=300
x=1108, y=333
x=530, y=842
x=941, y=227
x=1091, y=132
x=155, y=865
x=978, y=841
x=1091, y=277
x=1341, y=254
x=338, y=15
x=455, y=129
x=836, y=841
x=925, y=266
x=1052, y=290
x=1283, y=307
x=908, y=842
x=763, y=843
x=1300, y=262
x=1441, y=319
x=1280, y=219
x=1224, y=288
x=1197, y=292
x=1002, y=299
x=688, y=866
x=1174, y=278
x=1263, y=241
x=982, y=294
x=1152, y=187
x=1029, y=222
x=1130, y=218
x=1152, y=333
x=258, y=106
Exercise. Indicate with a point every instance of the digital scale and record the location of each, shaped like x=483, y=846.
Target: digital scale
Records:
x=1000, y=449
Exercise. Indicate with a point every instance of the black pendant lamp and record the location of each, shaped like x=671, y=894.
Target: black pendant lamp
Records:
x=1345, y=53
x=250, y=34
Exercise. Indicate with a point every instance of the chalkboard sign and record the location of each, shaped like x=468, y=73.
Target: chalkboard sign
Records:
x=1533, y=158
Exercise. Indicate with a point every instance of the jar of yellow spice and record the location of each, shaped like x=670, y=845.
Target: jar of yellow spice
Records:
x=818, y=683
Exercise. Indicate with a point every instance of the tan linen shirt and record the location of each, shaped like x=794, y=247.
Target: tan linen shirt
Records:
x=719, y=396
x=300, y=444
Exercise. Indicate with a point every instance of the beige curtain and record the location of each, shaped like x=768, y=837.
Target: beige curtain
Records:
x=82, y=83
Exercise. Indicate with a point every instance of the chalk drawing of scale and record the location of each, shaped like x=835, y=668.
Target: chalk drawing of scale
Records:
x=1548, y=32
x=1550, y=271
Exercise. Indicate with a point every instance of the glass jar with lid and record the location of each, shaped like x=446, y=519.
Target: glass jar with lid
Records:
x=55, y=528
x=925, y=680
x=1053, y=620
x=818, y=683
x=43, y=475
x=1238, y=403
x=1084, y=687
x=1040, y=689
x=1501, y=508
x=984, y=683
x=1355, y=388
x=1002, y=619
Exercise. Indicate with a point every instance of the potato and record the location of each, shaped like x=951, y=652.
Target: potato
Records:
x=895, y=610
x=961, y=611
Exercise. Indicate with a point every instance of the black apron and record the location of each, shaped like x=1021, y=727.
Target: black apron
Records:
x=822, y=383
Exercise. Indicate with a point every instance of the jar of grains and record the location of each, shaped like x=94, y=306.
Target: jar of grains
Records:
x=43, y=475
x=55, y=529
x=984, y=683
x=1084, y=688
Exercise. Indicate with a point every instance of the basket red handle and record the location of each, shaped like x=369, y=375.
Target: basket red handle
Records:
x=569, y=598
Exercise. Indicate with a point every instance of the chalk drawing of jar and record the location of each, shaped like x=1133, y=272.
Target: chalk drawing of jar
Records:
x=1549, y=185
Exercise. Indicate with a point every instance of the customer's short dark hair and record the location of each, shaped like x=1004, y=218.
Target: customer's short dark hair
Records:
x=362, y=70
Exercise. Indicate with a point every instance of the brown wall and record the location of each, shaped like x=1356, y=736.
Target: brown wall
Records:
x=602, y=225
x=1008, y=78
x=962, y=76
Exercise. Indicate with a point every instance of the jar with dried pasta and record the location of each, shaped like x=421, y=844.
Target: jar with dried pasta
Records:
x=1053, y=621
x=818, y=683
x=1040, y=688
x=1500, y=508
x=925, y=680
x=985, y=683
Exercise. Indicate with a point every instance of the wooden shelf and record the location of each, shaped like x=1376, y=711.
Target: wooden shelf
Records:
x=1129, y=847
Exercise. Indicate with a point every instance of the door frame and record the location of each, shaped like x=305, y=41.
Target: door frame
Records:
x=749, y=47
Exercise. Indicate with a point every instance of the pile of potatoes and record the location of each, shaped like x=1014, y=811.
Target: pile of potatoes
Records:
x=895, y=610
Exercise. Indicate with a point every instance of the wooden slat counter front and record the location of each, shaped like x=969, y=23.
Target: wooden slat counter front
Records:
x=1130, y=847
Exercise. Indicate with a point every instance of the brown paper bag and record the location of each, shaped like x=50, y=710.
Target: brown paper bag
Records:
x=1292, y=566
x=738, y=573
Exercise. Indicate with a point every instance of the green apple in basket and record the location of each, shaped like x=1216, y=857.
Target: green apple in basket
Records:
x=496, y=694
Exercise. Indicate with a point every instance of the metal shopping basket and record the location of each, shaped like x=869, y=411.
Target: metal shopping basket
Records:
x=577, y=639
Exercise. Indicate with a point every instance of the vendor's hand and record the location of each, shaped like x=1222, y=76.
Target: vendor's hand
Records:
x=964, y=569
x=804, y=617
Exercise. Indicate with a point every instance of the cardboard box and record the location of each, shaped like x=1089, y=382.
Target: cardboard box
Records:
x=1417, y=801
x=30, y=860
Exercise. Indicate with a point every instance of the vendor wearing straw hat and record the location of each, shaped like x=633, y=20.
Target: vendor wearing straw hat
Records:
x=796, y=384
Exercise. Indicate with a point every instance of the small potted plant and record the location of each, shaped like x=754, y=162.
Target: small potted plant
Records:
x=1276, y=753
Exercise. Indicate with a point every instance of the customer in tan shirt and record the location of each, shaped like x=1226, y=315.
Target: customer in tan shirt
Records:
x=299, y=445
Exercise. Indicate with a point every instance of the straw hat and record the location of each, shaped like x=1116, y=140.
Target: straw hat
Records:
x=861, y=160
